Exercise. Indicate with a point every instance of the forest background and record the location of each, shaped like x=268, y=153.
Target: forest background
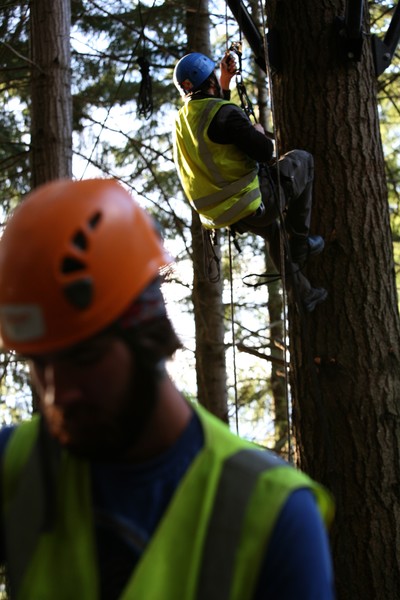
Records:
x=345, y=400
x=124, y=105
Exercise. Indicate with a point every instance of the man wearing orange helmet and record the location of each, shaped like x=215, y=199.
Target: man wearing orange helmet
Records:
x=118, y=487
x=222, y=162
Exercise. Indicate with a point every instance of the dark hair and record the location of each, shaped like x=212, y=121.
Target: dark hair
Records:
x=152, y=342
x=146, y=328
x=205, y=86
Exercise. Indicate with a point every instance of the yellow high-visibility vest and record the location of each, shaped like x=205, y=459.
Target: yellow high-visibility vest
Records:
x=219, y=180
x=209, y=544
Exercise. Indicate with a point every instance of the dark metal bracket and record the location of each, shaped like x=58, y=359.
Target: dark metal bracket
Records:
x=349, y=33
x=349, y=30
x=383, y=50
x=250, y=31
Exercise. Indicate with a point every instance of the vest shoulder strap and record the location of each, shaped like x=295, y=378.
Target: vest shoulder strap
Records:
x=238, y=479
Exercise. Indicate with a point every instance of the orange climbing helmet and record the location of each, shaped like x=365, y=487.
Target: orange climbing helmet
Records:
x=73, y=256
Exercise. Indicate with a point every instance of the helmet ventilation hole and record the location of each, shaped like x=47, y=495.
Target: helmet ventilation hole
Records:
x=94, y=220
x=71, y=264
x=80, y=240
x=80, y=293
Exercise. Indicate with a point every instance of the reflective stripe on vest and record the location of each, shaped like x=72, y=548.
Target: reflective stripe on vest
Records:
x=210, y=546
x=219, y=180
x=230, y=189
x=239, y=476
x=205, y=153
x=236, y=211
x=22, y=524
x=38, y=479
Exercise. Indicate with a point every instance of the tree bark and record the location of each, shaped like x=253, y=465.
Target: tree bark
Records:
x=51, y=100
x=345, y=356
x=51, y=109
x=209, y=324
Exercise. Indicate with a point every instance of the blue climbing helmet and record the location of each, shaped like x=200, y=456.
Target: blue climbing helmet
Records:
x=191, y=71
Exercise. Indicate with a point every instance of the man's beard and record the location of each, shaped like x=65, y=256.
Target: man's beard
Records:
x=114, y=439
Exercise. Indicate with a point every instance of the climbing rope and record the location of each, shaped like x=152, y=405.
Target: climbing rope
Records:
x=233, y=337
x=246, y=104
x=283, y=239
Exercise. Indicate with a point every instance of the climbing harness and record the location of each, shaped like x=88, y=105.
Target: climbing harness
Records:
x=212, y=261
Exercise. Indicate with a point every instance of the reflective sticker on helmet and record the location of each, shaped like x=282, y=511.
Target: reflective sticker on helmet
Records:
x=22, y=323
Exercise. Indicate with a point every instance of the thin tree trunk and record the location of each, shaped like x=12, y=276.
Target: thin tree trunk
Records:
x=206, y=295
x=209, y=323
x=345, y=369
x=51, y=109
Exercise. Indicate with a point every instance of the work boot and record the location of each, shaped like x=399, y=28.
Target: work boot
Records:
x=314, y=297
x=310, y=246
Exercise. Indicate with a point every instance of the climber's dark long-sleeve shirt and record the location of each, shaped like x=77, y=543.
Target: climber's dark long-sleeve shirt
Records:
x=231, y=126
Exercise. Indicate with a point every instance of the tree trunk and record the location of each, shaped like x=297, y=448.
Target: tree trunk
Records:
x=209, y=323
x=206, y=295
x=51, y=109
x=345, y=356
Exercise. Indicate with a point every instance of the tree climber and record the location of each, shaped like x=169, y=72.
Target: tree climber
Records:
x=119, y=487
x=222, y=162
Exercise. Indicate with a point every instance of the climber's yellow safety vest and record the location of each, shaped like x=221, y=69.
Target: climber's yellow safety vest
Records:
x=209, y=544
x=219, y=180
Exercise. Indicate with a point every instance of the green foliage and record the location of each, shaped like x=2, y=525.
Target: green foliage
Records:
x=389, y=112
x=14, y=90
x=111, y=138
x=15, y=392
x=14, y=51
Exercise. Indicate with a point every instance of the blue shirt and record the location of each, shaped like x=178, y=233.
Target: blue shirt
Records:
x=129, y=502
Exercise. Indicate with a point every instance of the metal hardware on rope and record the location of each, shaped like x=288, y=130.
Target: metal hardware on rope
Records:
x=250, y=31
x=245, y=101
x=212, y=266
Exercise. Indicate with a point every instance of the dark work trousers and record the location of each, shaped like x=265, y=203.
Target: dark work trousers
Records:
x=296, y=174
